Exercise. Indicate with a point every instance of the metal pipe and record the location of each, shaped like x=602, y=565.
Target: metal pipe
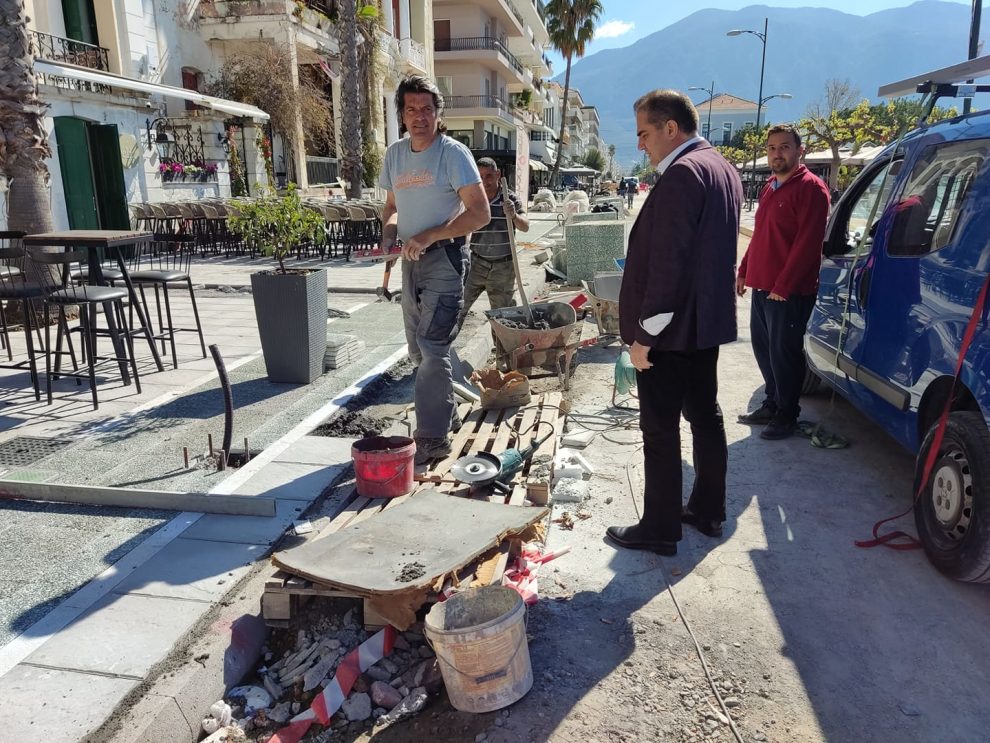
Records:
x=228, y=398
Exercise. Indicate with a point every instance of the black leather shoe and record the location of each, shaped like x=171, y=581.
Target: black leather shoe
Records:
x=779, y=428
x=705, y=526
x=759, y=417
x=631, y=537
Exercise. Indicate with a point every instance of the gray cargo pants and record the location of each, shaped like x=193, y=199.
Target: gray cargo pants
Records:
x=432, y=299
x=498, y=278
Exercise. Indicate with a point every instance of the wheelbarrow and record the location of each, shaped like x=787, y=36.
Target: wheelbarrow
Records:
x=604, y=291
x=519, y=347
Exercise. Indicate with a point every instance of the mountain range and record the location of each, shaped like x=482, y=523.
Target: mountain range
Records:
x=805, y=48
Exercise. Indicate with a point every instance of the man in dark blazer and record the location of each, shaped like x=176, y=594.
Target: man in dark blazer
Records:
x=677, y=305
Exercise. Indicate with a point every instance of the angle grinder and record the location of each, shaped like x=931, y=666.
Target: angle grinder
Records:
x=482, y=469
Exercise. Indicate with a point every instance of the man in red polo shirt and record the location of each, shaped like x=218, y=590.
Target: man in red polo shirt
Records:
x=781, y=265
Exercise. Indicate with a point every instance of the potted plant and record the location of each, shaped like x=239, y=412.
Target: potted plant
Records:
x=290, y=304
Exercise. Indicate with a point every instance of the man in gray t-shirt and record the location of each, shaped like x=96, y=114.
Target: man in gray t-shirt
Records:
x=491, y=255
x=434, y=198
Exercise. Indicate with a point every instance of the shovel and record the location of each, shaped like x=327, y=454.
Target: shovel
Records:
x=515, y=259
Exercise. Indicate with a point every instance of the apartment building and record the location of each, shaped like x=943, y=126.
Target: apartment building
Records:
x=723, y=115
x=489, y=62
x=114, y=74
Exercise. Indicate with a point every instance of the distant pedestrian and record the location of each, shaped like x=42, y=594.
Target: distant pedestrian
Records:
x=491, y=254
x=781, y=266
x=433, y=199
x=630, y=192
x=678, y=306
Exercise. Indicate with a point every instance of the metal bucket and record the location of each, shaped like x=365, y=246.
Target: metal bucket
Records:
x=604, y=291
x=524, y=348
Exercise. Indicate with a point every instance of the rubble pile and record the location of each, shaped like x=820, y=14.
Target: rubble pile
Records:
x=395, y=687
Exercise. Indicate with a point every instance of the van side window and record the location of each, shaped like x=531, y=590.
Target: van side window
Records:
x=852, y=219
x=925, y=217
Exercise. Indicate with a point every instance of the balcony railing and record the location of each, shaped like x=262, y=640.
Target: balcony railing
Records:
x=321, y=170
x=57, y=49
x=476, y=101
x=474, y=43
x=413, y=52
x=213, y=9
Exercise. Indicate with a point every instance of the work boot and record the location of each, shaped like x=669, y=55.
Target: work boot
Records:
x=779, y=428
x=761, y=416
x=706, y=526
x=455, y=421
x=428, y=450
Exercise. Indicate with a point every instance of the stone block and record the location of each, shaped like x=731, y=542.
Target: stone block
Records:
x=593, y=246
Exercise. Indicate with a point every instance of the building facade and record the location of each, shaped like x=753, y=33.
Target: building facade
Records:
x=120, y=118
x=490, y=64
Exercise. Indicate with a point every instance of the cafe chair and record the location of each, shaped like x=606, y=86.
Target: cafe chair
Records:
x=59, y=290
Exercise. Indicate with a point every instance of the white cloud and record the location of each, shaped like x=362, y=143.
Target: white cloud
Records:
x=612, y=29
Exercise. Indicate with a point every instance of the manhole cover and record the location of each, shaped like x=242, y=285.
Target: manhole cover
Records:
x=24, y=450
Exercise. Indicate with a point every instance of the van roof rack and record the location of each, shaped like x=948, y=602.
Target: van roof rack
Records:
x=947, y=82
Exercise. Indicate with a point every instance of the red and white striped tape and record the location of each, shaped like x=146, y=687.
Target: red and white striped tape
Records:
x=326, y=704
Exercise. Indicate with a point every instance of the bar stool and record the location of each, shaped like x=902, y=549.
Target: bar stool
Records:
x=14, y=287
x=54, y=271
x=168, y=265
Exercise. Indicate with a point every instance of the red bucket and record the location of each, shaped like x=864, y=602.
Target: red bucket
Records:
x=383, y=466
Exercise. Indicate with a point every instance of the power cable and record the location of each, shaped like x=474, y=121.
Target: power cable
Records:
x=683, y=617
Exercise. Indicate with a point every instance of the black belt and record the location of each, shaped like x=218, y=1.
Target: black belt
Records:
x=451, y=242
x=491, y=261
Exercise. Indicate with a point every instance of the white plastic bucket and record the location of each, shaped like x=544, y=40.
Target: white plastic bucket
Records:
x=479, y=637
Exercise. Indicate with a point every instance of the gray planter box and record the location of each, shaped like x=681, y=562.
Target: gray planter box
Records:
x=291, y=310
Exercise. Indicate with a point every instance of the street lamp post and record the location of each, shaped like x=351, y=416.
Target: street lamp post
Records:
x=759, y=105
x=711, y=96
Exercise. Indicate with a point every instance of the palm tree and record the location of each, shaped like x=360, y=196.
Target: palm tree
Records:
x=571, y=25
x=611, y=160
x=23, y=140
x=350, y=90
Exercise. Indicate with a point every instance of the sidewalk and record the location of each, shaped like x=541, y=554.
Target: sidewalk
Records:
x=97, y=597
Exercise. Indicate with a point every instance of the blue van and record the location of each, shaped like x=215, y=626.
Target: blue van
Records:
x=891, y=312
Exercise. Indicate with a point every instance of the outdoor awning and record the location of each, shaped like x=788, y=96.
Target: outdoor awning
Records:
x=537, y=165
x=129, y=83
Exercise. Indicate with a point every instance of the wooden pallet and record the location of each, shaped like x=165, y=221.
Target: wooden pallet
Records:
x=492, y=431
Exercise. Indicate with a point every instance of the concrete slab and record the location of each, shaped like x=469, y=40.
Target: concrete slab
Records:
x=193, y=569
x=324, y=450
x=82, y=701
x=143, y=628
x=247, y=529
x=292, y=481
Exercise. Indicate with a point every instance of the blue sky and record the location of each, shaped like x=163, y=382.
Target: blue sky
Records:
x=625, y=21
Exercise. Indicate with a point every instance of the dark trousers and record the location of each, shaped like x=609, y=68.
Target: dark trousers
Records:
x=777, y=329
x=681, y=382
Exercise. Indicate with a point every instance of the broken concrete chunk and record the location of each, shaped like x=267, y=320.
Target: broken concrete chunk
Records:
x=229, y=734
x=357, y=707
x=379, y=673
x=280, y=713
x=384, y=695
x=412, y=704
x=316, y=674
x=570, y=490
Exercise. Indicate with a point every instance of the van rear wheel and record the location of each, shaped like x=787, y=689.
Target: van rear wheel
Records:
x=952, y=512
